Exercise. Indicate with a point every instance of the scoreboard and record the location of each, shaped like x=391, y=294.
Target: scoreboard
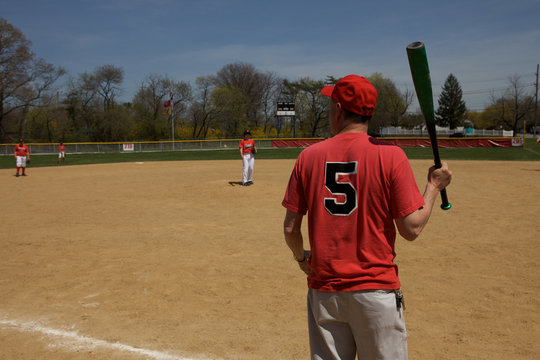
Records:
x=285, y=109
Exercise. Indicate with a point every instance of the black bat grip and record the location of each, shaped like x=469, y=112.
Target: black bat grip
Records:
x=445, y=204
x=444, y=197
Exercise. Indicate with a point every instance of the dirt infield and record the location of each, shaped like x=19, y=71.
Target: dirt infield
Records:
x=174, y=261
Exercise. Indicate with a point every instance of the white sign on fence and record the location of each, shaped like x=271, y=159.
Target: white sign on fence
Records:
x=129, y=147
x=517, y=141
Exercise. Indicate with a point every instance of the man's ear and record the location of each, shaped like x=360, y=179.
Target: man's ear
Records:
x=339, y=108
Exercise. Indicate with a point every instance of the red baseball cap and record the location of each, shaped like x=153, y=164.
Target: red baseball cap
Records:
x=354, y=93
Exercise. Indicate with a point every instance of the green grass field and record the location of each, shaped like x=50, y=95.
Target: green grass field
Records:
x=530, y=152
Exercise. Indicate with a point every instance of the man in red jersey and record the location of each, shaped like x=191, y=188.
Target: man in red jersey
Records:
x=247, y=153
x=356, y=190
x=22, y=153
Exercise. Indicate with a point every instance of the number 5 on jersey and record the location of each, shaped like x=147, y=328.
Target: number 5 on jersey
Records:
x=346, y=189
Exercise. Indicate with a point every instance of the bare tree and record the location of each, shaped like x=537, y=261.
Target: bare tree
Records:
x=82, y=101
x=108, y=79
x=520, y=100
x=400, y=105
x=201, y=111
x=272, y=86
x=149, y=101
x=182, y=97
x=512, y=106
x=24, y=79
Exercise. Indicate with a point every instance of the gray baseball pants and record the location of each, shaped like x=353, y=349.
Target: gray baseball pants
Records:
x=366, y=323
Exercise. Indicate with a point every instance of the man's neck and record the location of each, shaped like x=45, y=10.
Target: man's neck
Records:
x=354, y=128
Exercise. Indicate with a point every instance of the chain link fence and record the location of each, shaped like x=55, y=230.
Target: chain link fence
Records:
x=138, y=146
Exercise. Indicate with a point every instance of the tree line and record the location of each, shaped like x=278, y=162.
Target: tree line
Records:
x=37, y=105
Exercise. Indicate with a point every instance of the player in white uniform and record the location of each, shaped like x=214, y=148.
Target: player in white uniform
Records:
x=22, y=155
x=247, y=152
x=61, y=152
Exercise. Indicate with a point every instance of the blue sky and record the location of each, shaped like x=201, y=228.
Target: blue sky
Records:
x=482, y=42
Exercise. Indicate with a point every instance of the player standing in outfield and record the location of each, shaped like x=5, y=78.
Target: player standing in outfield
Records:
x=61, y=152
x=22, y=154
x=355, y=190
x=247, y=152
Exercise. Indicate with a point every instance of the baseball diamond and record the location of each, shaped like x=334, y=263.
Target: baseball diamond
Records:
x=168, y=260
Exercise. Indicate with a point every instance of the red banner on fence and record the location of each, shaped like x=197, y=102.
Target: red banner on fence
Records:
x=296, y=143
x=456, y=142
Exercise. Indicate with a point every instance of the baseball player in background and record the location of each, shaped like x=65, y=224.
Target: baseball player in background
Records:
x=61, y=152
x=355, y=190
x=22, y=154
x=247, y=152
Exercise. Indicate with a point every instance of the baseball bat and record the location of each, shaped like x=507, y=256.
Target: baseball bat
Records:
x=416, y=52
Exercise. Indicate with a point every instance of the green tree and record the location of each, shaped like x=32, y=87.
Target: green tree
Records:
x=311, y=106
x=452, y=109
x=392, y=104
x=411, y=121
x=250, y=82
x=230, y=110
x=48, y=123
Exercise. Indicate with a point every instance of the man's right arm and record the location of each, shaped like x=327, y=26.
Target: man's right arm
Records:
x=411, y=226
x=292, y=229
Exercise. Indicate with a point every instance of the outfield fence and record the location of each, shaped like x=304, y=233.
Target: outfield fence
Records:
x=233, y=144
x=135, y=146
x=442, y=131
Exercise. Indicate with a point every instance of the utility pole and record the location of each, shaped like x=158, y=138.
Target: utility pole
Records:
x=536, y=99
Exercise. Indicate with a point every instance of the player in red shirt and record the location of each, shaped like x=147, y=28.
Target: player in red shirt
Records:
x=22, y=154
x=61, y=152
x=355, y=191
x=247, y=152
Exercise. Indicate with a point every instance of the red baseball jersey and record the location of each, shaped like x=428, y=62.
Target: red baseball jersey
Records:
x=352, y=187
x=247, y=146
x=61, y=148
x=21, y=150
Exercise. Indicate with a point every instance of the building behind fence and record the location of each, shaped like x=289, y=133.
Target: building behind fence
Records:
x=444, y=131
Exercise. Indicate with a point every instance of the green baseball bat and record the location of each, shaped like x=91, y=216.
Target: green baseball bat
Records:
x=416, y=52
